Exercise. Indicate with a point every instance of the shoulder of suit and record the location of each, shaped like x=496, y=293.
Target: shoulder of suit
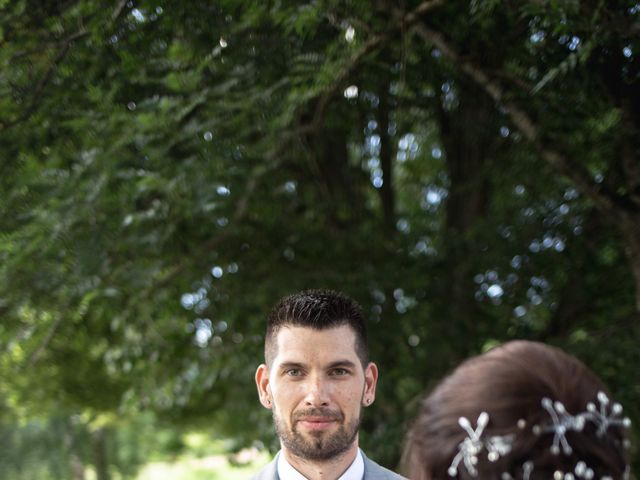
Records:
x=373, y=471
x=269, y=472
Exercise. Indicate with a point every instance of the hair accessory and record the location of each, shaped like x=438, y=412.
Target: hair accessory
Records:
x=582, y=471
x=604, y=420
x=562, y=422
x=471, y=446
x=527, y=468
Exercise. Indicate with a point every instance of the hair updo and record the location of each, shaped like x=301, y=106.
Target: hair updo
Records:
x=509, y=383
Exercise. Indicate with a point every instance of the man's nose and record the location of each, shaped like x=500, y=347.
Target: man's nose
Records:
x=317, y=392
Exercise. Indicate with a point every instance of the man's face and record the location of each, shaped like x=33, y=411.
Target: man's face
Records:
x=316, y=387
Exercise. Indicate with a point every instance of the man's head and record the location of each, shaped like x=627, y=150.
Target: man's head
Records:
x=318, y=310
x=316, y=378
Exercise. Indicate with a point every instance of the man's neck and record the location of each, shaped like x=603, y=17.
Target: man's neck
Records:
x=330, y=469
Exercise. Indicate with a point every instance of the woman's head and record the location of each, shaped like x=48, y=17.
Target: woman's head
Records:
x=519, y=411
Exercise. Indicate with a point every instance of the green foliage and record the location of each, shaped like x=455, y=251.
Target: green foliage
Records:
x=34, y=450
x=47, y=448
x=169, y=170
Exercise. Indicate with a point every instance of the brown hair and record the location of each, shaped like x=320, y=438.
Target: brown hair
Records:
x=317, y=309
x=509, y=383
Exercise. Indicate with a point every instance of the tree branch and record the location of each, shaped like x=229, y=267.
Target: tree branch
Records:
x=354, y=61
x=240, y=213
x=35, y=356
x=424, y=7
x=118, y=10
x=405, y=21
x=43, y=82
x=605, y=200
x=387, y=194
x=46, y=78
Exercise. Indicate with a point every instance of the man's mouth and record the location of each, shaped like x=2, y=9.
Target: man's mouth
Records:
x=316, y=423
x=317, y=420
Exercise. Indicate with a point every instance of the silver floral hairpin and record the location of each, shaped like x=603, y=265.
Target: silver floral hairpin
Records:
x=604, y=420
x=562, y=422
x=582, y=470
x=473, y=445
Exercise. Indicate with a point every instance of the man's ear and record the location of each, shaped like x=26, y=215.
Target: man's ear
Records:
x=262, y=382
x=370, y=382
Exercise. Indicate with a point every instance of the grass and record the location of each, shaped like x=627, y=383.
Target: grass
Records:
x=202, y=463
x=207, y=468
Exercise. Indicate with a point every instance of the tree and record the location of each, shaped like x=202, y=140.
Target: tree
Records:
x=468, y=172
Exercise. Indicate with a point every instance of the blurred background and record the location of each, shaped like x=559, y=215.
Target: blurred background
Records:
x=468, y=171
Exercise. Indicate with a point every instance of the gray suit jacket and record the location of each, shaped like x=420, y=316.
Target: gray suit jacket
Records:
x=372, y=471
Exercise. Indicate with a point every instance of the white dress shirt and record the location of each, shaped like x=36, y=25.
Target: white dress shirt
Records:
x=354, y=472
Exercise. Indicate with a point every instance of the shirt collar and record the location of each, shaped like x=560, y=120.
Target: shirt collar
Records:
x=354, y=472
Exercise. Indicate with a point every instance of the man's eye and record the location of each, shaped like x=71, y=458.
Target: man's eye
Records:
x=294, y=372
x=339, y=372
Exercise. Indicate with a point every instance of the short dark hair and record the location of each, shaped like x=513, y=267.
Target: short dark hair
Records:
x=509, y=383
x=317, y=309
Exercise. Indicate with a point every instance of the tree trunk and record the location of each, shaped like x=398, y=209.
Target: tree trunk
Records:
x=622, y=209
x=386, y=161
x=99, y=438
x=630, y=228
x=76, y=465
x=468, y=135
x=337, y=182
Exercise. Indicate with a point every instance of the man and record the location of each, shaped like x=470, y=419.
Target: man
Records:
x=316, y=378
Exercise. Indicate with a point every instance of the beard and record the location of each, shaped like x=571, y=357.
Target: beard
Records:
x=317, y=446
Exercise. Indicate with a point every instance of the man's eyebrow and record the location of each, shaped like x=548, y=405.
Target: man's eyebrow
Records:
x=342, y=363
x=284, y=365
